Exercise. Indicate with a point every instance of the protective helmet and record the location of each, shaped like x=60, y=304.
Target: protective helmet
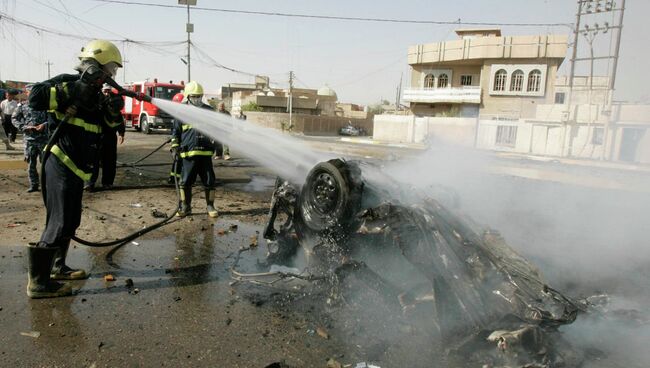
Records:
x=102, y=51
x=178, y=97
x=193, y=89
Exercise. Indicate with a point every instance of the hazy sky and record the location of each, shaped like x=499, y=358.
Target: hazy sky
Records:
x=361, y=61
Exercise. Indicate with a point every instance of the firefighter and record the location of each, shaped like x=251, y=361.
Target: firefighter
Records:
x=195, y=150
x=77, y=99
x=108, y=151
x=26, y=120
x=177, y=164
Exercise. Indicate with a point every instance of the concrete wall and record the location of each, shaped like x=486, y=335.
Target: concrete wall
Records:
x=411, y=129
x=308, y=124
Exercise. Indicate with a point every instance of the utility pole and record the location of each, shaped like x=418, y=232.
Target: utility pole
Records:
x=590, y=8
x=398, y=96
x=48, y=68
x=290, y=99
x=189, y=28
x=124, y=61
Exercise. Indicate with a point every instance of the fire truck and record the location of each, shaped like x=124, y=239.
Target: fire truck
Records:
x=144, y=116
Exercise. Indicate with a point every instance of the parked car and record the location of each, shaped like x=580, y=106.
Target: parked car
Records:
x=351, y=130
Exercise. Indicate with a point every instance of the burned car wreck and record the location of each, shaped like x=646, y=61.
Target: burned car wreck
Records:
x=489, y=304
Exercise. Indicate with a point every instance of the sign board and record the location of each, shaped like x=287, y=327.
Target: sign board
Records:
x=186, y=2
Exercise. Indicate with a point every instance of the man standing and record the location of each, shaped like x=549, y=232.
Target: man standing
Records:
x=27, y=120
x=108, y=150
x=7, y=109
x=196, y=150
x=79, y=114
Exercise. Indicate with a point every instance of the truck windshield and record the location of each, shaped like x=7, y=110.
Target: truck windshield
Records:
x=166, y=93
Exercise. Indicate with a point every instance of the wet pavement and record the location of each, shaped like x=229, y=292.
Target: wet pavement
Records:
x=180, y=311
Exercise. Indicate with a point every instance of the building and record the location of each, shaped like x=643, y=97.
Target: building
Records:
x=484, y=73
x=260, y=97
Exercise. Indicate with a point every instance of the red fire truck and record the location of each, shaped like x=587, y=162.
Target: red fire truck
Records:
x=144, y=116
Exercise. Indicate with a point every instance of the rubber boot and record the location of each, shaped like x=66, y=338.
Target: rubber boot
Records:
x=61, y=271
x=209, y=199
x=185, y=207
x=39, y=284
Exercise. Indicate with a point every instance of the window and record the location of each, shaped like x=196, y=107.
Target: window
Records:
x=506, y=135
x=465, y=80
x=597, y=136
x=443, y=80
x=534, y=80
x=559, y=98
x=429, y=81
x=517, y=80
x=500, y=80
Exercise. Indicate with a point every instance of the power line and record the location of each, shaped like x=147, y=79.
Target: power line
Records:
x=213, y=62
x=332, y=17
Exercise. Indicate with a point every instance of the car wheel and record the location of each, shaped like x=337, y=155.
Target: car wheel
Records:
x=144, y=124
x=330, y=198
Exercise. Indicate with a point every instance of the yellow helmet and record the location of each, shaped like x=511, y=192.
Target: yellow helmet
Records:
x=102, y=51
x=193, y=88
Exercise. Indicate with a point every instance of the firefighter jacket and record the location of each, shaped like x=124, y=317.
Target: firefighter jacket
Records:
x=24, y=117
x=189, y=141
x=79, y=141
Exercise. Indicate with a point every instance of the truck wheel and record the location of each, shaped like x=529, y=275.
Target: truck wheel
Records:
x=330, y=197
x=144, y=124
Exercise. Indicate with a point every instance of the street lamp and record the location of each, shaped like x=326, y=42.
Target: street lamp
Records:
x=189, y=28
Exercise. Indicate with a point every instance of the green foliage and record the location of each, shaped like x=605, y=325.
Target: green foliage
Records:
x=251, y=106
x=376, y=109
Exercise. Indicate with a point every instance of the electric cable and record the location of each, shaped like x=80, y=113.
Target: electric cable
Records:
x=333, y=17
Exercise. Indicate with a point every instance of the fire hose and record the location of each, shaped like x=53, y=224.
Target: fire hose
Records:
x=54, y=139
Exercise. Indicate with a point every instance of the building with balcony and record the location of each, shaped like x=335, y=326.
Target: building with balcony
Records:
x=484, y=73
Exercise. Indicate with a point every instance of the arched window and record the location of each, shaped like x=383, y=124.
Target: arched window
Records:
x=429, y=81
x=443, y=80
x=500, y=80
x=517, y=80
x=534, y=81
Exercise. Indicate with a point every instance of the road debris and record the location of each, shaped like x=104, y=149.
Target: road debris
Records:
x=158, y=214
x=135, y=205
x=322, y=333
x=34, y=334
x=109, y=278
x=468, y=278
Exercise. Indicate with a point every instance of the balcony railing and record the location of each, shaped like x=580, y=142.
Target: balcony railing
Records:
x=465, y=94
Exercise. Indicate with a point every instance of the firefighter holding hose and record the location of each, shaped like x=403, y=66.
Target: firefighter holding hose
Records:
x=81, y=114
x=195, y=150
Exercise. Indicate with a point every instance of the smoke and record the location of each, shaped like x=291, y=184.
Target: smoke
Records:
x=288, y=157
x=585, y=236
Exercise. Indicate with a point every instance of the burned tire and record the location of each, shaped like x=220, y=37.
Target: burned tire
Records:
x=330, y=197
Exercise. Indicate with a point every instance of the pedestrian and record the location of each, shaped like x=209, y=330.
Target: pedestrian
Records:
x=7, y=108
x=108, y=150
x=5, y=140
x=27, y=120
x=78, y=108
x=241, y=115
x=222, y=149
x=195, y=150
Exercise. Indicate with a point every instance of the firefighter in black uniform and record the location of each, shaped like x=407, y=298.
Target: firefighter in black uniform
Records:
x=175, y=173
x=196, y=151
x=108, y=149
x=77, y=98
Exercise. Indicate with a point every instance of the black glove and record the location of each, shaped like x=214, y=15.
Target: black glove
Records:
x=114, y=103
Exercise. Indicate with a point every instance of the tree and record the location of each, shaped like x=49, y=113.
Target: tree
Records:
x=251, y=106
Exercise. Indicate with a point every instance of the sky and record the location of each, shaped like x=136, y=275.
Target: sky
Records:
x=362, y=61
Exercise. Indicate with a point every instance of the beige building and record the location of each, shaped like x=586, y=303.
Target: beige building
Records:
x=484, y=73
x=263, y=98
